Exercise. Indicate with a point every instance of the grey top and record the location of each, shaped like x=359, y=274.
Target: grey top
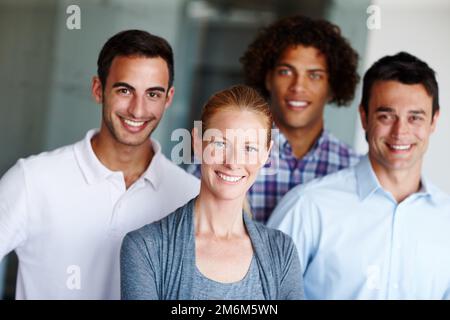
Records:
x=158, y=260
x=248, y=288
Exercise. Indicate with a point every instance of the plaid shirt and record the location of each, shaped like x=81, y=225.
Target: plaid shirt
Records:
x=327, y=155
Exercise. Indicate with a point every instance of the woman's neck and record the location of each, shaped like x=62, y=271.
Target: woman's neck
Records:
x=221, y=218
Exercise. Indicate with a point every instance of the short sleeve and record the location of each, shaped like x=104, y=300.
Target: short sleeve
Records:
x=13, y=209
x=137, y=271
x=292, y=281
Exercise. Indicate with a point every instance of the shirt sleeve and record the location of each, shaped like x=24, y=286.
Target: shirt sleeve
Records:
x=13, y=209
x=137, y=272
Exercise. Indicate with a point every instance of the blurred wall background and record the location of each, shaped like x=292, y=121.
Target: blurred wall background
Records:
x=46, y=69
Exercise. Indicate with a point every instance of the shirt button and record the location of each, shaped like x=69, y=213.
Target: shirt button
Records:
x=395, y=285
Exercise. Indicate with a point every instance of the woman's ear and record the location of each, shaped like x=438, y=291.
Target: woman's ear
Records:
x=265, y=156
x=270, y=147
x=197, y=143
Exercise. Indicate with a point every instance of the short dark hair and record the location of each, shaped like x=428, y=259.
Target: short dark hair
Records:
x=402, y=67
x=134, y=43
x=264, y=52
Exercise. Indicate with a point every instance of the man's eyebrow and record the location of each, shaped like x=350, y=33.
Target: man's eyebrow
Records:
x=312, y=69
x=284, y=64
x=384, y=109
x=130, y=87
x=162, y=89
x=123, y=84
x=420, y=111
x=391, y=110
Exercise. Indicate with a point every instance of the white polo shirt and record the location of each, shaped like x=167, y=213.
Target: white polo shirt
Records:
x=65, y=214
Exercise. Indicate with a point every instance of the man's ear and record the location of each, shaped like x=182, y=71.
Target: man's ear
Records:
x=268, y=80
x=169, y=97
x=97, y=90
x=330, y=94
x=435, y=119
x=363, y=116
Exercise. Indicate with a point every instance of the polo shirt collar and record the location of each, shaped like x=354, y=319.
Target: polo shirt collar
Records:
x=91, y=167
x=155, y=171
x=94, y=171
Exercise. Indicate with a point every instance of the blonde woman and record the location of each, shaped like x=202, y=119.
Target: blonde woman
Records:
x=210, y=248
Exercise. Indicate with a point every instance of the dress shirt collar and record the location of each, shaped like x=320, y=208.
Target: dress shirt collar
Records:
x=367, y=182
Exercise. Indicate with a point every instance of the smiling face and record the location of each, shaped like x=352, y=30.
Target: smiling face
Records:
x=299, y=88
x=398, y=125
x=233, y=149
x=134, y=98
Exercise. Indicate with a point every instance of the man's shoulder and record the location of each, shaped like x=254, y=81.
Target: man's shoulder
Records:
x=176, y=172
x=343, y=150
x=340, y=181
x=49, y=159
x=441, y=197
x=167, y=227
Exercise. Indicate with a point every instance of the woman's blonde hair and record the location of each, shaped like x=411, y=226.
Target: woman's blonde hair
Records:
x=239, y=97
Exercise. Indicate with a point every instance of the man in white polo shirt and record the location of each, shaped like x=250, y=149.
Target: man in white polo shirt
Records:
x=65, y=212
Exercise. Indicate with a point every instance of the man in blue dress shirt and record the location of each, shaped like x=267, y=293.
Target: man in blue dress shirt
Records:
x=379, y=230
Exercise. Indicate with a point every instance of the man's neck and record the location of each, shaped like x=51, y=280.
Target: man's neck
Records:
x=301, y=139
x=400, y=183
x=131, y=160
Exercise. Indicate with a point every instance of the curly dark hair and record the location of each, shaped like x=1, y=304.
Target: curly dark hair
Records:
x=342, y=60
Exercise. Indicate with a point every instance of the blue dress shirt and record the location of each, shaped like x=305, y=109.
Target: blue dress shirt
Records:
x=356, y=242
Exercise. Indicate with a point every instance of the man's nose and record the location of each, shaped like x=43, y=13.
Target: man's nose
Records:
x=299, y=83
x=137, y=107
x=400, y=128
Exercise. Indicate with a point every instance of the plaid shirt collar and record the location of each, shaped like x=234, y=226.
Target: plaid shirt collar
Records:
x=313, y=154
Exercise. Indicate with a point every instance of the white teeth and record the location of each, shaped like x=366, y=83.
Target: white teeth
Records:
x=298, y=104
x=400, y=147
x=228, y=178
x=133, y=123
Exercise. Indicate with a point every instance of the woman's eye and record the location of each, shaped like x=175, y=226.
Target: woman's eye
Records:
x=251, y=149
x=219, y=144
